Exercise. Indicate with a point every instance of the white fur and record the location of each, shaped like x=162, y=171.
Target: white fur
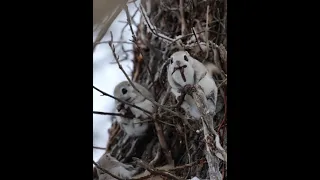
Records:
x=195, y=73
x=133, y=127
x=115, y=167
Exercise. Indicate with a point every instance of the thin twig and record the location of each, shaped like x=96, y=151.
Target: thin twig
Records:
x=187, y=35
x=200, y=161
x=163, y=142
x=155, y=171
x=225, y=16
x=110, y=114
x=187, y=149
x=106, y=94
x=134, y=40
x=206, y=118
x=130, y=152
x=222, y=83
x=151, y=27
x=100, y=148
x=160, y=134
x=196, y=39
x=122, y=42
x=165, y=97
x=129, y=21
x=225, y=109
x=157, y=157
x=183, y=21
x=117, y=59
x=169, y=124
x=207, y=34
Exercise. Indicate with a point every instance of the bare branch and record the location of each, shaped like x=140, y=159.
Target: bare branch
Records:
x=225, y=16
x=213, y=162
x=223, y=82
x=196, y=39
x=106, y=94
x=160, y=135
x=135, y=41
x=180, y=37
x=155, y=171
x=200, y=161
x=120, y=42
x=157, y=157
x=183, y=21
x=100, y=148
x=152, y=28
x=163, y=142
x=110, y=114
x=187, y=149
x=207, y=34
x=129, y=22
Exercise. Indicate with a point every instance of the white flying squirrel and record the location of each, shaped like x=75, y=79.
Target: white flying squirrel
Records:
x=185, y=70
x=115, y=167
x=133, y=127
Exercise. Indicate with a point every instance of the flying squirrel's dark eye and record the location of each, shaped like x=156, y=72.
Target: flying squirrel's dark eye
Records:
x=124, y=91
x=185, y=58
x=171, y=60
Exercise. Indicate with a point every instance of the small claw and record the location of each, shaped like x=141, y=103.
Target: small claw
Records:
x=120, y=106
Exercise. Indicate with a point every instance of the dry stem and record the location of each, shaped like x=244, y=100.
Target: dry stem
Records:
x=155, y=171
x=110, y=114
x=206, y=118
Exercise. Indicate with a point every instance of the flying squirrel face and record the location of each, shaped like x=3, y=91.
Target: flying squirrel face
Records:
x=180, y=68
x=124, y=91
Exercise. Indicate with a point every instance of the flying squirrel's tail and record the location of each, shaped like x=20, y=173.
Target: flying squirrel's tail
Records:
x=212, y=69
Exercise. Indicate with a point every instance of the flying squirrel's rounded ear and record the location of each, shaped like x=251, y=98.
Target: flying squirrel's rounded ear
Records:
x=187, y=53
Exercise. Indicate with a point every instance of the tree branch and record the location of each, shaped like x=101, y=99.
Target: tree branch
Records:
x=110, y=114
x=106, y=94
x=155, y=171
x=207, y=122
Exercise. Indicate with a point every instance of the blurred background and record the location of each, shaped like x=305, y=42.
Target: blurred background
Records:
x=106, y=73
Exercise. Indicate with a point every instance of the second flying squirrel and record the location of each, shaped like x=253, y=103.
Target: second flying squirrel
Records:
x=133, y=127
x=185, y=70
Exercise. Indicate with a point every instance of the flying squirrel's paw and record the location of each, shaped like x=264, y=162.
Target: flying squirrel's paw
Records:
x=188, y=89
